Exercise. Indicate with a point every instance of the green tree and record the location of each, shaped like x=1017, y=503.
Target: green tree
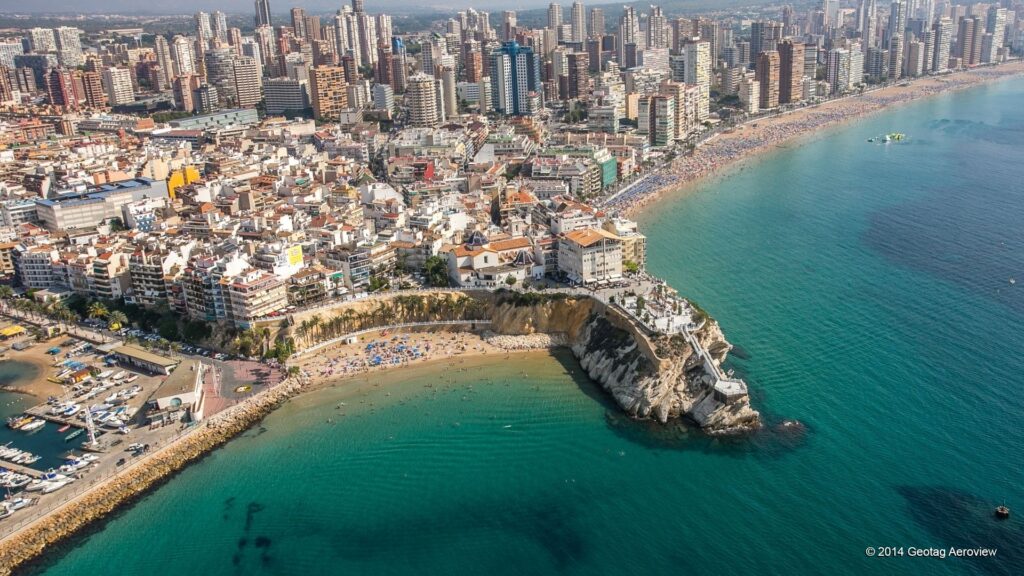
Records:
x=168, y=328
x=435, y=270
x=97, y=310
x=510, y=280
x=117, y=320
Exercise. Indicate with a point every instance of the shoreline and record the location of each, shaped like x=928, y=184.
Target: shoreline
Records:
x=39, y=387
x=133, y=482
x=108, y=495
x=752, y=140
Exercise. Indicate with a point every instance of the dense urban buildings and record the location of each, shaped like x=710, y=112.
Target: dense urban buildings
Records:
x=240, y=167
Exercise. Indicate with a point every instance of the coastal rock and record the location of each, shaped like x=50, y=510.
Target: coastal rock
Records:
x=646, y=385
x=652, y=376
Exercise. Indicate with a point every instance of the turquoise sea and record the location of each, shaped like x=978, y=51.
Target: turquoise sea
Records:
x=867, y=288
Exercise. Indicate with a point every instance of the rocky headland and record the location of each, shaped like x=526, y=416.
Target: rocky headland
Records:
x=649, y=375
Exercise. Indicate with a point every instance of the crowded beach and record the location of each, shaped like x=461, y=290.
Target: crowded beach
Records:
x=766, y=133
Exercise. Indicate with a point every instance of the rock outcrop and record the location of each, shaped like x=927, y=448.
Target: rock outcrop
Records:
x=652, y=376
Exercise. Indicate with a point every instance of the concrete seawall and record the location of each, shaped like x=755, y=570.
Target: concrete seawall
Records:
x=131, y=483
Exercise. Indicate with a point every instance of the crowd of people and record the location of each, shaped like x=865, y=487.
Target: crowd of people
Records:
x=391, y=351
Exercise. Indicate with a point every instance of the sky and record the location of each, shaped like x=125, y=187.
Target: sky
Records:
x=245, y=6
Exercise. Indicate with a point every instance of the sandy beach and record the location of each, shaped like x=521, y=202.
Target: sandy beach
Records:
x=389, y=350
x=765, y=134
x=40, y=386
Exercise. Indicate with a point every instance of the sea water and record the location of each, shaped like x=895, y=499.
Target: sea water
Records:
x=867, y=287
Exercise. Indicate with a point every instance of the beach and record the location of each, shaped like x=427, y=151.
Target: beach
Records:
x=386, y=351
x=41, y=387
x=758, y=136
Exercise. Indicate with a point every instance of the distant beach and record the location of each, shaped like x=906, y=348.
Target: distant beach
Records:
x=761, y=135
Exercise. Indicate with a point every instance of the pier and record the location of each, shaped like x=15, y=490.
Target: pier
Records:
x=20, y=469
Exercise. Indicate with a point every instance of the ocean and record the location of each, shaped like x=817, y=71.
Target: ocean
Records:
x=867, y=288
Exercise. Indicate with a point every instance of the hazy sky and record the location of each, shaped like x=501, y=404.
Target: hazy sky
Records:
x=245, y=6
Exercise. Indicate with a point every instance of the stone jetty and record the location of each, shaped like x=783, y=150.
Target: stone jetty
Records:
x=31, y=542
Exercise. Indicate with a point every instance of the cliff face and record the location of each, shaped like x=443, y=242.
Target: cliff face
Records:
x=661, y=378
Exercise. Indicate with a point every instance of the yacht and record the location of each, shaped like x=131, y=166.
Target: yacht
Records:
x=18, y=503
x=33, y=425
x=56, y=485
x=46, y=480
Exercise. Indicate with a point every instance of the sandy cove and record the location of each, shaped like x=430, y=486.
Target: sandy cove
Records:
x=40, y=386
x=331, y=365
x=758, y=136
x=461, y=350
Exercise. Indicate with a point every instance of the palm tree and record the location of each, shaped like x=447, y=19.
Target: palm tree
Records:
x=98, y=310
x=6, y=293
x=314, y=323
x=116, y=320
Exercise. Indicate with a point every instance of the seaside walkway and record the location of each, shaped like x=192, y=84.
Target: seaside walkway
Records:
x=358, y=333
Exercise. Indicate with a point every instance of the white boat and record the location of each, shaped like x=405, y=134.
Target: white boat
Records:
x=18, y=503
x=5, y=511
x=33, y=425
x=72, y=410
x=46, y=480
x=120, y=375
x=131, y=378
x=56, y=485
x=105, y=374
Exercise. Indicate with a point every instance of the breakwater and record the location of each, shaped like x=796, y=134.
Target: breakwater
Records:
x=74, y=516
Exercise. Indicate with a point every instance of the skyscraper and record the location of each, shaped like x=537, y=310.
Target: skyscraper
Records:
x=763, y=37
x=220, y=26
x=95, y=96
x=220, y=73
x=767, y=75
x=69, y=46
x=163, y=58
x=118, y=82
x=515, y=73
x=867, y=22
x=449, y=95
x=578, y=20
x=656, y=117
x=263, y=13
x=577, y=71
x=791, y=71
x=596, y=29
x=839, y=70
x=657, y=28
x=299, y=22
x=422, y=98
x=697, y=71
x=941, y=43
x=554, y=16
x=248, y=82
x=996, y=26
x=181, y=54
x=328, y=91
x=629, y=32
